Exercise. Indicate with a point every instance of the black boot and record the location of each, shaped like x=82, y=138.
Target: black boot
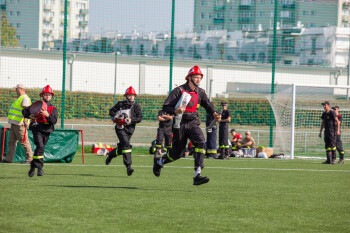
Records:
x=328, y=161
x=40, y=172
x=31, y=172
x=129, y=171
x=198, y=180
x=334, y=157
x=341, y=157
x=156, y=166
x=110, y=155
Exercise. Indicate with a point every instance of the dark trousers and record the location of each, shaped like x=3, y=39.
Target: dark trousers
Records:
x=330, y=145
x=339, y=145
x=164, y=133
x=189, y=130
x=123, y=148
x=223, y=139
x=211, y=143
x=40, y=140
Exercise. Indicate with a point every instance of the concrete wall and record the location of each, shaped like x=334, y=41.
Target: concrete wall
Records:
x=96, y=72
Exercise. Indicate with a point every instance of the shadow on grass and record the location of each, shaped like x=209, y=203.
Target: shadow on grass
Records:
x=8, y=178
x=68, y=174
x=90, y=186
x=113, y=187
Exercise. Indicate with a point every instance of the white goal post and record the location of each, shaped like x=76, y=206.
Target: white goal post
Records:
x=297, y=110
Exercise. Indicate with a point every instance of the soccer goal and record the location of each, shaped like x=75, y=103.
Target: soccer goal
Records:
x=297, y=111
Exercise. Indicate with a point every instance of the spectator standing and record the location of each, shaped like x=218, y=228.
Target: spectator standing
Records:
x=339, y=143
x=164, y=132
x=331, y=125
x=19, y=126
x=223, y=131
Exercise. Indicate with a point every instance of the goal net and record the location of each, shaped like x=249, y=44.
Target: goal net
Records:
x=297, y=111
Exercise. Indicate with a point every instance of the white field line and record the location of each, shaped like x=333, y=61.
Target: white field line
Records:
x=184, y=167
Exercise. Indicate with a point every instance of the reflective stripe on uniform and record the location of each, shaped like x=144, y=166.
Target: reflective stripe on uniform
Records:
x=227, y=146
x=126, y=151
x=199, y=150
x=328, y=149
x=38, y=156
x=222, y=146
x=211, y=151
x=171, y=159
x=334, y=148
x=159, y=146
x=342, y=152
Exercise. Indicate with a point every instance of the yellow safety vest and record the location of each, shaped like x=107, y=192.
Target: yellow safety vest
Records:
x=15, y=114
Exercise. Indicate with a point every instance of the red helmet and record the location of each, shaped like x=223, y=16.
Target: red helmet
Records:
x=194, y=70
x=130, y=91
x=47, y=89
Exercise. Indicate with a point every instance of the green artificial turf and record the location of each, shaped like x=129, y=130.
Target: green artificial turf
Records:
x=243, y=195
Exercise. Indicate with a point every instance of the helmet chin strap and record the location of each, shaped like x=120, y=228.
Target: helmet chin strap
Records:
x=193, y=82
x=129, y=100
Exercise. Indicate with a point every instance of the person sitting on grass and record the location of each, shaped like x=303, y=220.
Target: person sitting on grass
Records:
x=248, y=141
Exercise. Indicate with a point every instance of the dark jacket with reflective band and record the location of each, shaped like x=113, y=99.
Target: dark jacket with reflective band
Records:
x=136, y=114
x=48, y=126
x=329, y=121
x=198, y=96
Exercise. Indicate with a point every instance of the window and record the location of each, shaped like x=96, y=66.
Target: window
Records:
x=18, y=13
x=261, y=14
x=18, y=37
x=313, y=12
x=312, y=25
x=210, y=16
x=313, y=48
x=203, y=3
x=202, y=15
x=18, y=25
x=11, y=12
x=305, y=12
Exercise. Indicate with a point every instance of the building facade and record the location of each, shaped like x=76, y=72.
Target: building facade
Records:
x=39, y=22
x=255, y=15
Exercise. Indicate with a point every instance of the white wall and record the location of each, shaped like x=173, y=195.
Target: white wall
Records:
x=96, y=73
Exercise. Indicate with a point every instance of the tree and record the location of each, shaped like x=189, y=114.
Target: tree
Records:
x=8, y=34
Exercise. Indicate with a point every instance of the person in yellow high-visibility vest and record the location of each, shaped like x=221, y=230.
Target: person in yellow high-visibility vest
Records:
x=19, y=126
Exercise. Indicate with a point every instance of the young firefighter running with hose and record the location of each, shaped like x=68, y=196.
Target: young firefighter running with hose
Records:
x=42, y=126
x=189, y=124
x=126, y=114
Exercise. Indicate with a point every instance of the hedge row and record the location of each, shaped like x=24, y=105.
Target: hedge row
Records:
x=96, y=105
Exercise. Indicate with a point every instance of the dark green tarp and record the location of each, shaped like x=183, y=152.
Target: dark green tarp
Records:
x=61, y=147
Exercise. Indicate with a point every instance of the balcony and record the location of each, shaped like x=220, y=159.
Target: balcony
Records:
x=48, y=7
x=346, y=5
x=47, y=31
x=2, y=6
x=246, y=5
x=83, y=23
x=47, y=19
x=83, y=11
x=243, y=20
x=219, y=8
x=288, y=6
x=219, y=21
